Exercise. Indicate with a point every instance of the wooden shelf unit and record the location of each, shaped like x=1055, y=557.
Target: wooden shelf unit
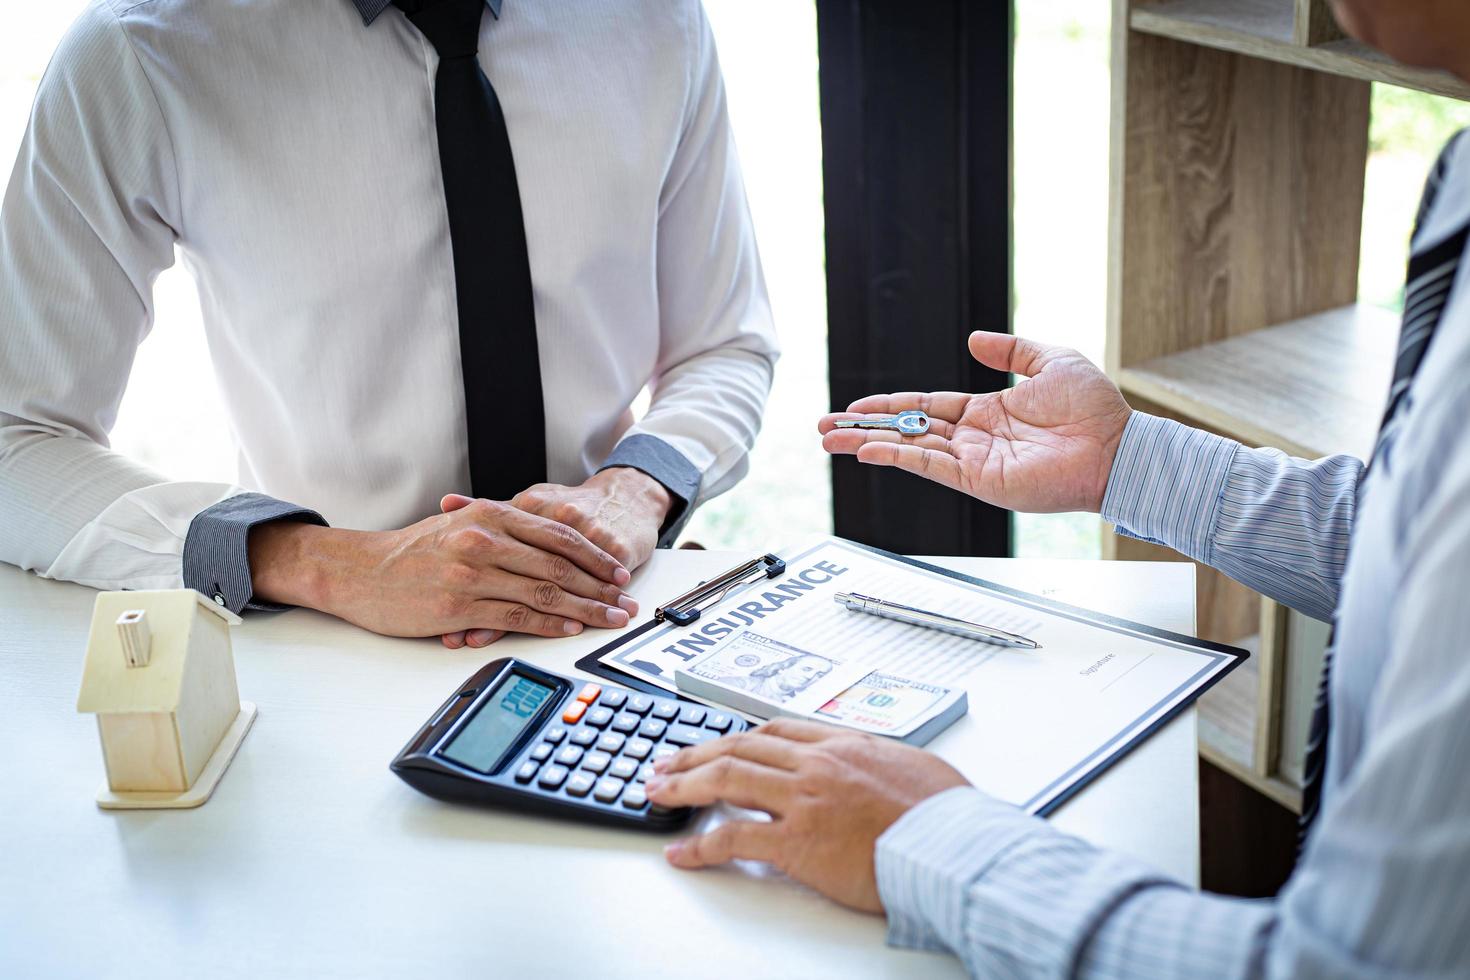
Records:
x=1239, y=149
x=1279, y=31
x=1312, y=387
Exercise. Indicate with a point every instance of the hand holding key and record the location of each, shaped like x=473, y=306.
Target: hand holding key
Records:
x=904, y=423
x=1045, y=445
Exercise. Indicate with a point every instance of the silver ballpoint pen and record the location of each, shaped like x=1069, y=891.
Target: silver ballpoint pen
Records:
x=933, y=620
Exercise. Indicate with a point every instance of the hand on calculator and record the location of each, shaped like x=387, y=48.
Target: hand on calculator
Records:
x=830, y=794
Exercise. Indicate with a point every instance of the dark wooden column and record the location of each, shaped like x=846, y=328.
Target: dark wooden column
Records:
x=916, y=141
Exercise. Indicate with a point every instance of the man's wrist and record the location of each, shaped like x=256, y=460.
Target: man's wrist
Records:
x=637, y=489
x=298, y=564
x=1109, y=460
x=667, y=467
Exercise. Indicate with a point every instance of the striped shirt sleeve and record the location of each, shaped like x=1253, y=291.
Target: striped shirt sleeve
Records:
x=1277, y=524
x=1012, y=897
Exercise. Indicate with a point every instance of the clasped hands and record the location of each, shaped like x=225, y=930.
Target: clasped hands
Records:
x=618, y=511
x=549, y=562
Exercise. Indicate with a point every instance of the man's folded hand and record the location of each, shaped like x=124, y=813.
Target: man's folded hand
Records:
x=619, y=509
x=481, y=569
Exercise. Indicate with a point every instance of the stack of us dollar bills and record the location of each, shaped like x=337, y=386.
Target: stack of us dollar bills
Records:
x=766, y=678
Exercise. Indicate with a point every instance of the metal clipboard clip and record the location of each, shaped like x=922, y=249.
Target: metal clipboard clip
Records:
x=686, y=609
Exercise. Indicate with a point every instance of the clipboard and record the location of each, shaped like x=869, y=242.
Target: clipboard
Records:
x=684, y=611
x=681, y=611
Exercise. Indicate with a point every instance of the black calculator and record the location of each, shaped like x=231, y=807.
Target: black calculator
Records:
x=518, y=736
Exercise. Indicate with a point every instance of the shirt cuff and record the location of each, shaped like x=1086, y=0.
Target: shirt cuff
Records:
x=1166, y=484
x=652, y=456
x=216, y=549
x=926, y=861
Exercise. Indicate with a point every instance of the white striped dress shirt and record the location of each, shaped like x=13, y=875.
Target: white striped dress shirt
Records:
x=1383, y=886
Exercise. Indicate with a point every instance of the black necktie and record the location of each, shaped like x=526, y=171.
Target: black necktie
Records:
x=505, y=419
x=1427, y=289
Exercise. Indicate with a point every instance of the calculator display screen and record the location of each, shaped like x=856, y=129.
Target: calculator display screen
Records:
x=485, y=737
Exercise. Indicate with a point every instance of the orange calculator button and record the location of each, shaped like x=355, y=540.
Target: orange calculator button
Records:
x=589, y=693
x=574, y=711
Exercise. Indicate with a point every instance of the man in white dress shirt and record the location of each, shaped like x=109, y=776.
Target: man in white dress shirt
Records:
x=287, y=151
x=1382, y=887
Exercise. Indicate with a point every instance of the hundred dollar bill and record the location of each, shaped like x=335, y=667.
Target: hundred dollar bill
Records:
x=883, y=704
x=767, y=678
x=767, y=669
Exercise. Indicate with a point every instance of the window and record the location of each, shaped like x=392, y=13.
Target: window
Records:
x=768, y=50
x=1061, y=211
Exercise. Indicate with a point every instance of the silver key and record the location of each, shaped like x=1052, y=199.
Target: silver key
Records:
x=904, y=423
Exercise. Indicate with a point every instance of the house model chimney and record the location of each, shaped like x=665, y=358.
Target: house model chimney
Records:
x=136, y=638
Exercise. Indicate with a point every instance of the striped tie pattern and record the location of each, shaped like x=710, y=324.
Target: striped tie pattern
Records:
x=1430, y=278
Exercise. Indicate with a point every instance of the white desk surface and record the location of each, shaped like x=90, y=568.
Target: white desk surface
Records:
x=312, y=859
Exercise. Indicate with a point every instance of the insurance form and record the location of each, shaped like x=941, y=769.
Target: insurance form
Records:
x=1054, y=716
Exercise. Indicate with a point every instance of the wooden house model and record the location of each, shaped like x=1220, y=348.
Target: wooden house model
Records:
x=160, y=677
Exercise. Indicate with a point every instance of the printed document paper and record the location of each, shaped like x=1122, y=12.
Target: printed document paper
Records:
x=1047, y=718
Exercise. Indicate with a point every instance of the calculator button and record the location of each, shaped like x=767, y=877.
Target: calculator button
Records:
x=554, y=734
x=719, y=722
x=638, y=748
x=639, y=704
x=580, y=783
x=665, y=710
x=687, y=735
x=614, y=699
x=625, y=722
x=569, y=756
x=608, y=789
x=599, y=716
x=611, y=742
x=526, y=772
x=663, y=752
x=623, y=768
x=552, y=777
x=692, y=714
x=540, y=752
x=652, y=728
x=584, y=736
x=573, y=714
x=596, y=761
x=634, y=798
x=589, y=693
x=645, y=771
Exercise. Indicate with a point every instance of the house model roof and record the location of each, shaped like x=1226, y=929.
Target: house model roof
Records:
x=109, y=685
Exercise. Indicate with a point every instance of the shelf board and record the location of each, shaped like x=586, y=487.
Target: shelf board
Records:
x=1312, y=387
x=1227, y=711
x=1283, y=793
x=1228, y=729
x=1264, y=28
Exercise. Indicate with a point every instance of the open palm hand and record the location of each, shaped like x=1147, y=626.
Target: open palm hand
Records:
x=1045, y=445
